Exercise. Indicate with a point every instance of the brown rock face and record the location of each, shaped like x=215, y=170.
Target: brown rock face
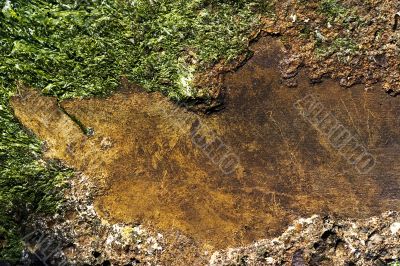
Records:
x=274, y=153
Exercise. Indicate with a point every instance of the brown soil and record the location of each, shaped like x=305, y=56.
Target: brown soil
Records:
x=143, y=152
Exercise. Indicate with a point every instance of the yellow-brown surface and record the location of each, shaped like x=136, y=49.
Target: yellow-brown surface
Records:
x=143, y=149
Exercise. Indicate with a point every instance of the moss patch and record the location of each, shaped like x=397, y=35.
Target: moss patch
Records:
x=70, y=50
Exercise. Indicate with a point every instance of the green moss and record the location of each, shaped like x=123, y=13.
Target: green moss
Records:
x=333, y=9
x=340, y=47
x=82, y=50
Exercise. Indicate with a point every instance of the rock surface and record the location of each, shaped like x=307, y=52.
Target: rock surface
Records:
x=351, y=42
x=323, y=241
x=127, y=121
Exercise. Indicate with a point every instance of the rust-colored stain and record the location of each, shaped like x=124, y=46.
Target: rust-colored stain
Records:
x=144, y=150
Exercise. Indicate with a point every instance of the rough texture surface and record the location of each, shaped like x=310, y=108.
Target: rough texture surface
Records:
x=79, y=236
x=142, y=154
x=345, y=40
x=323, y=241
x=339, y=39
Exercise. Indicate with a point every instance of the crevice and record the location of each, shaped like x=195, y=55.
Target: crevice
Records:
x=88, y=131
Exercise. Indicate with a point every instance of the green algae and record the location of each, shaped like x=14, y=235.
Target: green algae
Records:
x=82, y=50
